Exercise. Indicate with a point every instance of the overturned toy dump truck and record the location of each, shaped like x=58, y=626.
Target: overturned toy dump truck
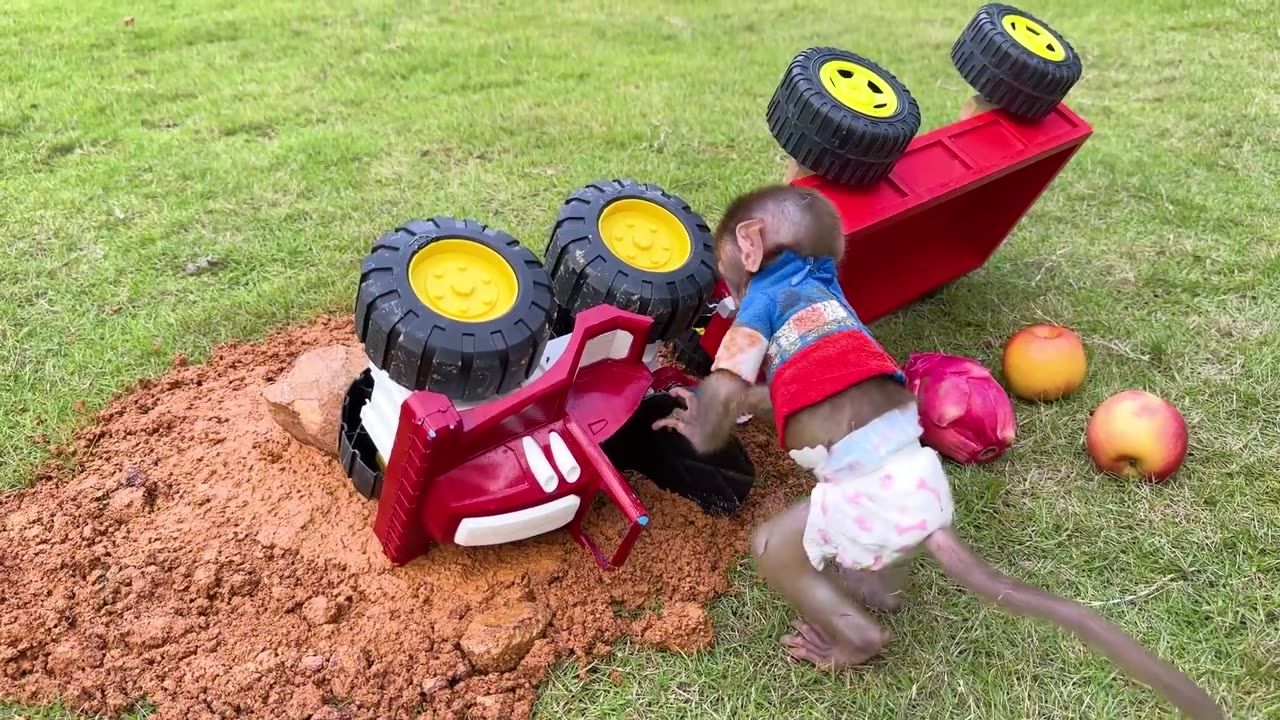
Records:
x=504, y=393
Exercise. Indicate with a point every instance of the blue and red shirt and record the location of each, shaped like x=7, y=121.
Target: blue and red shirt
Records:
x=795, y=324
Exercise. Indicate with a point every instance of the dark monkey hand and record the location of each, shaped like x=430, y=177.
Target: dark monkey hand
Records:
x=680, y=419
x=710, y=414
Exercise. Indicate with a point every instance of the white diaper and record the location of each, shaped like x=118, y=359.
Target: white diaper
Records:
x=879, y=494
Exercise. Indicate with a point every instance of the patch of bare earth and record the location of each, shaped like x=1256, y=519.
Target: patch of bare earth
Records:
x=205, y=561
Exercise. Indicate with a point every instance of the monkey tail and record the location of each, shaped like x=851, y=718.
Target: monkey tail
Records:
x=965, y=567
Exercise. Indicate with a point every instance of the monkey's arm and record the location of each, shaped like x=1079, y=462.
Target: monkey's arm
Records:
x=719, y=401
x=730, y=390
x=726, y=394
x=710, y=413
x=758, y=403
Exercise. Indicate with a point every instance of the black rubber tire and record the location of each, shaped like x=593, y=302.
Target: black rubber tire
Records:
x=719, y=483
x=831, y=139
x=356, y=451
x=1009, y=75
x=688, y=351
x=423, y=350
x=562, y=323
x=586, y=273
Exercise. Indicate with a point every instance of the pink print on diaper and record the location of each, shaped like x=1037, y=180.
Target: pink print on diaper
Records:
x=862, y=522
x=824, y=537
x=854, y=497
x=922, y=484
x=920, y=526
x=886, y=481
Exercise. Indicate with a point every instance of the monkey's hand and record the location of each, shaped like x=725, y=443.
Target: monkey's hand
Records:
x=680, y=419
x=709, y=416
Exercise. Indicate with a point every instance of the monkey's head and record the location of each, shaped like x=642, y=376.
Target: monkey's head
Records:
x=762, y=223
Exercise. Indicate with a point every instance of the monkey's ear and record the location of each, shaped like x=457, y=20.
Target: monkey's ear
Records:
x=750, y=235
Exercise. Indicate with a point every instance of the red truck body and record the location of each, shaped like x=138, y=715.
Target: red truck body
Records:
x=449, y=466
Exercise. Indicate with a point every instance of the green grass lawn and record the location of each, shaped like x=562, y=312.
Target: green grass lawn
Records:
x=281, y=140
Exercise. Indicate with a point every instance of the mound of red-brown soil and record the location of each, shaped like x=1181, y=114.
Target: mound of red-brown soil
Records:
x=203, y=560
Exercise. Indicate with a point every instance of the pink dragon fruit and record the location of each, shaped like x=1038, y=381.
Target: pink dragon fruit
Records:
x=965, y=413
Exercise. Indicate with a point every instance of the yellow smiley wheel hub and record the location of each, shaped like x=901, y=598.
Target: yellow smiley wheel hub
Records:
x=463, y=280
x=645, y=235
x=859, y=88
x=1035, y=37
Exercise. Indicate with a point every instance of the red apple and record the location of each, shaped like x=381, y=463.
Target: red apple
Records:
x=1138, y=435
x=1043, y=362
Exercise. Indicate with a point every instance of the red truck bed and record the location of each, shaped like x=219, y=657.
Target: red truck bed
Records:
x=953, y=197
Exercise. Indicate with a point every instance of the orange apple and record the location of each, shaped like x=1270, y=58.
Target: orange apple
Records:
x=1138, y=435
x=1043, y=362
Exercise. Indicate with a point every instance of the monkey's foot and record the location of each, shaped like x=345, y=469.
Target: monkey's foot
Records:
x=811, y=644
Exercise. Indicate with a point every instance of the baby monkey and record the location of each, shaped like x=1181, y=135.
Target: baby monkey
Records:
x=842, y=410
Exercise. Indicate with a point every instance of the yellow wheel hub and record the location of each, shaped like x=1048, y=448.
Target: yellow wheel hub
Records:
x=463, y=280
x=1035, y=37
x=859, y=88
x=645, y=235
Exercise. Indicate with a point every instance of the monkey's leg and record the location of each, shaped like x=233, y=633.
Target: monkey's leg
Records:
x=877, y=589
x=834, y=630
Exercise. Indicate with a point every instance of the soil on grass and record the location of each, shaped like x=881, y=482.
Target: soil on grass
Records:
x=203, y=561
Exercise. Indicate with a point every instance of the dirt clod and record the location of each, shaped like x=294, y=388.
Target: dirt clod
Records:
x=320, y=610
x=313, y=663
x=683, y=627
x=205, y=562
x=497, y=640
x=127, y=502
x=433, y=685
x=307, y=400
x=492, y=707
